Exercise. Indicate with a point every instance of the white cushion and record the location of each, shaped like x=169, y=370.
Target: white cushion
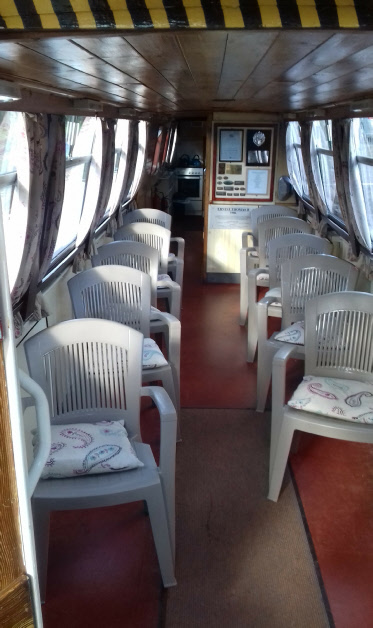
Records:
x=275, y=304
x=345, y=399
x=152, y=356
x=254, y=254
x=88, y=448
x=263, y=277
x=171, y=256
x=294, y=334
x=163, y=281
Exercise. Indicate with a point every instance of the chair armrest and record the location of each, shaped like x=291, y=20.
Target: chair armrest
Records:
x=180, y=242
x=178, y=263
x=279, y=375
x=170, y=326
x=262, y=309
x=245, y=236
x=244, y=259
x=251, y=282
x=43, y=427
x=168, y=420
x=173, y=292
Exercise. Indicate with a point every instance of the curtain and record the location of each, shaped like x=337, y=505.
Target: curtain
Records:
x=315, y=198
x=106, y=180
x=340, y=136
x=46, y=141
x=37, y=136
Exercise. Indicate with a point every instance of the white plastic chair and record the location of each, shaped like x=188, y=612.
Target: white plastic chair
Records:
x=156, y=217
x=159, y=238
x=251, y=258
x=122, y=294
x=338, y=344
x=302, y=279
x=279, y=250
x=92, y=372
x=145, y=258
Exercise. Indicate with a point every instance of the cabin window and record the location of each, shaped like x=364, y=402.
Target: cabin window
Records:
x=361, y=177
x=120, y=164
x=323, y=166
x=14, y=187
x=82, y=183
x=157, y=152
x=140, y=159
x=295, y=160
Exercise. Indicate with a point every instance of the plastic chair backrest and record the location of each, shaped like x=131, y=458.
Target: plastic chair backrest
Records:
x=290, y=246
x=115, y=293
x=89, y=371
x=153, y=235
x=305, y=278
x=133, y=254
x=154, y=216
x=264, y=213
x=339, y=336
x=276, y=228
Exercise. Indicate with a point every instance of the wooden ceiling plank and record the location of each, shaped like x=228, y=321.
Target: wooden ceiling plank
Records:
x=243, y=53
x=338, y=48
x=288, y=48
x=204, y=53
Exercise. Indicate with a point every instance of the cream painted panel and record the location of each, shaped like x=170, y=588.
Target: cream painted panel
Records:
x=223, y=250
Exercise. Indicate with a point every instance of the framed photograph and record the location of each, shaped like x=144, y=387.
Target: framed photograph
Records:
x=259, y=147
x=230, y=144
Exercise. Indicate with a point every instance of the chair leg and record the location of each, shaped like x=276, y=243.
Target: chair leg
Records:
x=265, y=356
x=161, y=535
x=243, y=288
x=41, y=532
x=252, y=332
x=279, y=455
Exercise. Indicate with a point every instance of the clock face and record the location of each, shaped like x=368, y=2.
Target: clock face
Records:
x=259, y=138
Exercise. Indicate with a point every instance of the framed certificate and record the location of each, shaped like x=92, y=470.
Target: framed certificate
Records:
x=230, y=144
x=257, y=182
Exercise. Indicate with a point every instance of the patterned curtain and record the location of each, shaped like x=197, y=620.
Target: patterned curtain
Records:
x=37, y=136
x=340, y=137
x=107, y=171
x=46, y=140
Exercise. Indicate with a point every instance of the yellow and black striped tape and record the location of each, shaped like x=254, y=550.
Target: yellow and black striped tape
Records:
x=176, y=14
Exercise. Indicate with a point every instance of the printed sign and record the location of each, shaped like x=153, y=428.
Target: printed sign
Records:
x=229, y=217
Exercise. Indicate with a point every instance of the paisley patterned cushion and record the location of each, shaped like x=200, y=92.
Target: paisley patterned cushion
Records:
x=345, y=399
x=294, y=334
x=152, y=356
x=87, y=448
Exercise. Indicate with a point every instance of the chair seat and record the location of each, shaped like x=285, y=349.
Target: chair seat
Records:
x=152, y=355
x=347, y=399
x=110, y=486
x=293, y=334
x=274, y=292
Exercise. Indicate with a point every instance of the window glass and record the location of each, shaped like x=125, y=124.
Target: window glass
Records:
x=140, y=160
x=323, y=165
x=295, y=160
x=83, y=171
x=172, y=145
x=157, y=151
x=361, y=177
x=120, y=163
x=14, y=187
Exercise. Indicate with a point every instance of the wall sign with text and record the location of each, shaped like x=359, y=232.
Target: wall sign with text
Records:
x=244, y=162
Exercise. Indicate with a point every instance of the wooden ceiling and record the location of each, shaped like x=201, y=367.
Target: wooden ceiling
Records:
x=196, y=72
